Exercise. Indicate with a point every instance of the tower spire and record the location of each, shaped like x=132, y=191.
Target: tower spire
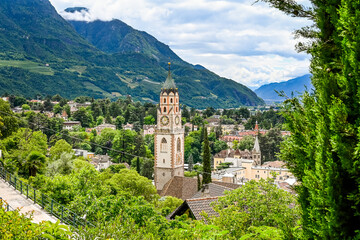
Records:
x=256, y=127
x=256, y=150
x=169, y=83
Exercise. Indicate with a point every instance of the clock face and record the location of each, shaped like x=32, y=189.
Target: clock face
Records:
x=177, y=120
x=178, y=159
x=164, y=120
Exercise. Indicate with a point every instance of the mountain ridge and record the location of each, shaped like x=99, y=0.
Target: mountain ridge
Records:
x=41, y=53
x=291, y=87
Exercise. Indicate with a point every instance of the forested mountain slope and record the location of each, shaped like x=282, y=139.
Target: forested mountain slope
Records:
x=41, y=53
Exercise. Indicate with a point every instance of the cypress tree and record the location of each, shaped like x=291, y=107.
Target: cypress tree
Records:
x=138, y=165
x=323, y=150
x=206, y=159
x=190, y=162
x=198, y=181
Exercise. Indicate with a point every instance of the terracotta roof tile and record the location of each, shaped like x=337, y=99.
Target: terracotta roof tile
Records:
x=211, y=190
x=180, y=187
x=196, y=207
x=275, y=164
x=228, y=185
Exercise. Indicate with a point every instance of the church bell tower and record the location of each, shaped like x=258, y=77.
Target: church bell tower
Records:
x=169, y=136
x=256, y=153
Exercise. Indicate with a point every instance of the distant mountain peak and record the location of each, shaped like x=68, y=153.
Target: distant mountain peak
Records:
x=78, y=14
x=76, y=9
x=291, y=87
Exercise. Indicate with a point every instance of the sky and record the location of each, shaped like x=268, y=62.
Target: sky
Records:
x=248, y=42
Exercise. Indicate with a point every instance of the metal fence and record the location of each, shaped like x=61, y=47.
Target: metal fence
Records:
x=54, y=208
x=5, y=205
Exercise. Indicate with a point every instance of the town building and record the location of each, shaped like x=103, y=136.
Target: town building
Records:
x=83, y=153
x=101, y=162
x=149, y=129
x=169, y=136
x=103, y=126
x=69, y=125
x=246, y=165
x=128, y=126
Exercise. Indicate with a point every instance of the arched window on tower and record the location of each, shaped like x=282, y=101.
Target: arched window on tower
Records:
x=164, y=109
x=178, y=145
x=171, y=100
x=163, y=145
x=164, y=100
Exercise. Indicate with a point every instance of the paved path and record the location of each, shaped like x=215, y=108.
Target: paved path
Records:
x=16, y=200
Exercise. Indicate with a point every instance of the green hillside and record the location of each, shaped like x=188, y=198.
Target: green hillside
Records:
x=117, y=37
x=41, y=53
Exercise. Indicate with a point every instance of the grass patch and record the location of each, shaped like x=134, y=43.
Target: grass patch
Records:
x=77, y=68
x=128, y=81
x=95, y=88
x=28, y=65
x=116, y=94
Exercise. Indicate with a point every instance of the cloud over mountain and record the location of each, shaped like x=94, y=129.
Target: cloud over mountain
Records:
x=250, y=43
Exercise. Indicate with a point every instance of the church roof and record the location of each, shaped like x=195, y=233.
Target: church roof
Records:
x=180, y=187
x=169, y=83
x=215, y=189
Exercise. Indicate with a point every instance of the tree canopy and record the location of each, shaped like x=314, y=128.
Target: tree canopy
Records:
x=323, y=149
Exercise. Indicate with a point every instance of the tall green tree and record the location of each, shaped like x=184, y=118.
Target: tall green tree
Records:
x=11, y=123
x=59, y=148
x=119, y=121
x=35, y=161
x=190, y=162
x=138, y=165
x=84, y=117
x=206, y=159
x=323, y=149
x=270, y=144
x=258, y=204
x=246, y=143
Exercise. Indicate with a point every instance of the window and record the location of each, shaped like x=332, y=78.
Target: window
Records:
x=164, y=174
x=177, y=109
x=163, y=160
x=164, y=109
x=164, y=100
x=171, y=100
x=163, y=145
x=178, y=145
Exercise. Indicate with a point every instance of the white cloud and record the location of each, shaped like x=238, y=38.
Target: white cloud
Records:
x=252, y=71
x=250, y=43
